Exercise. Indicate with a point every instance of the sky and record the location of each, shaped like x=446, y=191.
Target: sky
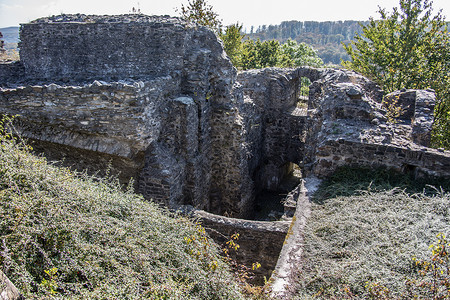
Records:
x=247, y=12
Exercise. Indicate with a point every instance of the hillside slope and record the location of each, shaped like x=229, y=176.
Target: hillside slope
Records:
x=368, y=237
x=72, y=236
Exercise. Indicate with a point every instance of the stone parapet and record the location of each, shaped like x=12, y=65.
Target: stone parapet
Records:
x=259, y=241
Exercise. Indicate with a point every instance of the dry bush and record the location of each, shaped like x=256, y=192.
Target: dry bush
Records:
x=362, y=245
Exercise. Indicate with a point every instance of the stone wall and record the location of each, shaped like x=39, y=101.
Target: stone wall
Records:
x=10, y=70
x=259, y=241
x=102, y=117
x=275, y=130
x=349, y=125
x=344, y=152
x=157, y=99
x=84, y=47
x=152, y=96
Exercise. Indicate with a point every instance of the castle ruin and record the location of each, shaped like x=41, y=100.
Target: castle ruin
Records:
x=157, y=99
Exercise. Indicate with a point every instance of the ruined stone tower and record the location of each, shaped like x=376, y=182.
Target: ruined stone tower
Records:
x=157, y=99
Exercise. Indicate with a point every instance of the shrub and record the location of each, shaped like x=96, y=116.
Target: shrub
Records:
x=361, y=244
x=64, y=234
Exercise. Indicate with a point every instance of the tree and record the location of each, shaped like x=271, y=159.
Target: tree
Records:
x=202, y=13
x=232, y=42
x=299, y=54
x=268, y=53
x=408, y=48
x=271, y=53
x=256, y=55
x=249, y=56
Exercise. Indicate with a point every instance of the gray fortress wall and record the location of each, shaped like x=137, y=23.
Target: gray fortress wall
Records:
x=157, y=99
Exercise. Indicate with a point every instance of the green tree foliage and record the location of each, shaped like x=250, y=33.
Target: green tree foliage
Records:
x=408, y=48
x=325, y=37
x=232, y=42
x=256, y=55
x=273, y=54
x=268, y=53
x=299, y=54
x=202, y=13
x=251, y=54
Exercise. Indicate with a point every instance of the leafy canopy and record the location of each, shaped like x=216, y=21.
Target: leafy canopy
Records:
x=232, y=42
x=299, y=54
x=249, y=54
x=257, y=54
x=408, y=48
x=202, y=13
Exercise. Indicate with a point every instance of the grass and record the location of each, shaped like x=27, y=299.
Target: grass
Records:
x=68, y=235
x=363, y=236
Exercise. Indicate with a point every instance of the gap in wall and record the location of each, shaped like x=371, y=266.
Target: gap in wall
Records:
x=269, y=204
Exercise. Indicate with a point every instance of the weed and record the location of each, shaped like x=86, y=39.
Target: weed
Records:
x=50, y=284
x=393, y=109
x=243, y=274
x=433, y=274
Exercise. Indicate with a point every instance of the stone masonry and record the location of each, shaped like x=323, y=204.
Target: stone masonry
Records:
x=144, y=109
x=156, y=99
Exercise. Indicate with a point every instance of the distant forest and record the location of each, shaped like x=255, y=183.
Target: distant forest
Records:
x=325, y=37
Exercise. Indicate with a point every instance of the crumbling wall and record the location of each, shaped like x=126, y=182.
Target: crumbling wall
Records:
x=132, y=92
x=260, y=242
x=84, y=47
x=157, y=99
x=349, y=124
x=152, y=96
x=275, y=131
x=10, y=70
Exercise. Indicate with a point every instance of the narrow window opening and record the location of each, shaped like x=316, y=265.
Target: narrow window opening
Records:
x=303, y=93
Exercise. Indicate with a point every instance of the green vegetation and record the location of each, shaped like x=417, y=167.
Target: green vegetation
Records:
x=200, y=12
x=248, y=54
x=409, y=48
x=368, y=237
x=255, y=55
x=232, y=43
x=71, y=236
x=325, y=37
x=299, y=54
